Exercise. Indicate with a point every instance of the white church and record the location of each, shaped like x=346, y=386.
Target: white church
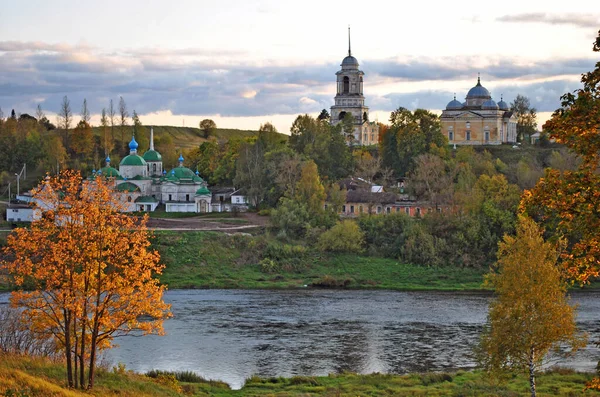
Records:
x=142, y=183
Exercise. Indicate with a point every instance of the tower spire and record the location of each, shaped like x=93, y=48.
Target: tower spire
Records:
x=349, y=51
x=151, y=138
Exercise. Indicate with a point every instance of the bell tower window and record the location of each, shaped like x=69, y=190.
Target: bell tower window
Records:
x=346, y=84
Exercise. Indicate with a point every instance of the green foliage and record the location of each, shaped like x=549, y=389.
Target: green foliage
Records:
x=345, y=236
x=411, y=134
x=325, y=145
x=290, y=219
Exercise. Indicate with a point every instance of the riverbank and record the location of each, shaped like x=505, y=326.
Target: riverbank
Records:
x=197, y=259
x=25, y=376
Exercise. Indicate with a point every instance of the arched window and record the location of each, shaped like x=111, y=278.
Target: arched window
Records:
x=154, y=167
x=346, y=84
x=342, y=115
x=366, y=116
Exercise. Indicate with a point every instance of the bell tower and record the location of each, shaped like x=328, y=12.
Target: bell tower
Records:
x=349, y=98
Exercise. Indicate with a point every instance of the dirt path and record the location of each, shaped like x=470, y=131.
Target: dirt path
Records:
x=209, y=224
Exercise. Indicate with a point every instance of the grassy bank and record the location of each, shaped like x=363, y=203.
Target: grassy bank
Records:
x=22, y=376
x=216, y=260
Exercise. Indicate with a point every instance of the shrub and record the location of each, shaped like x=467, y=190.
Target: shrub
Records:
x=331, y=282
x=290, y=220
x=345, y=236
x=269, y=266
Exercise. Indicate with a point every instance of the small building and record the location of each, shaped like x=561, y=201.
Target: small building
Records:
x=19, y=213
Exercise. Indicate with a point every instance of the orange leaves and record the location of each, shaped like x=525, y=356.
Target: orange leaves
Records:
x=89, y=269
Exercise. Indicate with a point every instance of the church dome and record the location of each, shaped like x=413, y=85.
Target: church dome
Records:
x=479, y=91
x=202, y=191
x=349, y=61
x=128, y=187
x=490, y=104
x=109, y=172
x=152, y=155
x=454, y=105
x=183, y=174
x=133, y=159
x=502, y=105
x=133, y=145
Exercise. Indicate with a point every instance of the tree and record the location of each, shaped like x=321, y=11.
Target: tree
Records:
x=309, y=189
x=324, y=115
x=412, y=133
x=526, y=117
x=344, y=236
x=250, y=172
x=111, y=116
x=431, y=180
x=566, y=202
x=107, y=142
x=348, y=128
x=267, y=127
x=123, y=115
x=65, y=118
x=85, y=112
x=139, y=131
x=208, y=127
x=82, y=140
x=531, y=313
x=367, y=166
x=39, y=113
x=89, y=271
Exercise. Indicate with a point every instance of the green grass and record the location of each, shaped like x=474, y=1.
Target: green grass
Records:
x=216, y=260
x=39, y=377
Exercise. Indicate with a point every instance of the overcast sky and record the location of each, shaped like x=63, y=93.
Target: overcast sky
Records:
x=243, y=63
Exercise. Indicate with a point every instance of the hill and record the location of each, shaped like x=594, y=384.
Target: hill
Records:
x=183, y=137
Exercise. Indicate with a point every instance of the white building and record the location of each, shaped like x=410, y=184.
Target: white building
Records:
x=142, y=183
x=350, y=100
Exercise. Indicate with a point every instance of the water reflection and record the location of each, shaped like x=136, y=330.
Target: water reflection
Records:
x=231, y=335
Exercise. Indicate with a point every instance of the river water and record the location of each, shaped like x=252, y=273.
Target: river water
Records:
x=230, y=335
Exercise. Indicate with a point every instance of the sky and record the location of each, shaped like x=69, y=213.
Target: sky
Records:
x=243, y=63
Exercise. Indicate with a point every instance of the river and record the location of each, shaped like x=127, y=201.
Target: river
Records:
x=230, y=335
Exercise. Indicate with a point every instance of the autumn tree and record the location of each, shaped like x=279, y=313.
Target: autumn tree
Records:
x=112, y=113
x=208, y=127
x=107, y=141
x=309, y=189
x=431, y=179
x=531, y=313
x=82, y=140
x=123, y=115
x=526, y=117
x=85, y=112
x=65, y=118
x=89, y=272
x=566, y=202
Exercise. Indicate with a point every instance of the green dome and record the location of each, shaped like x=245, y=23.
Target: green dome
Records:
x=183, y=174
x=109, y=172
x=202, y=191
x=133, y=159
x=152, y=155
x=128, y=187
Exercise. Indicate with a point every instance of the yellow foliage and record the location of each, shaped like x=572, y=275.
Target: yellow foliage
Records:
x=89, y=273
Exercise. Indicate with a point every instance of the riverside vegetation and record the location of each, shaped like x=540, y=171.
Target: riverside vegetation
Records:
x=33, y=377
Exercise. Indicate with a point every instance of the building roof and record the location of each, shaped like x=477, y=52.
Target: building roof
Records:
x=365, y=196
x=133, y=159
x=183, y=174
x=490, y=104
x=152, y=155
x=109, y=172
x=203, y=191
x=454, y=105
x=127, y=187
x=479, y=91
x=502, y=105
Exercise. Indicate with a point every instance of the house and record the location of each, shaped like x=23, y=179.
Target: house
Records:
x=19, y=213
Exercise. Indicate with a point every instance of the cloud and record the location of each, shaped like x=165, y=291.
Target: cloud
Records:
x=201, y=82
x=579, y=20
